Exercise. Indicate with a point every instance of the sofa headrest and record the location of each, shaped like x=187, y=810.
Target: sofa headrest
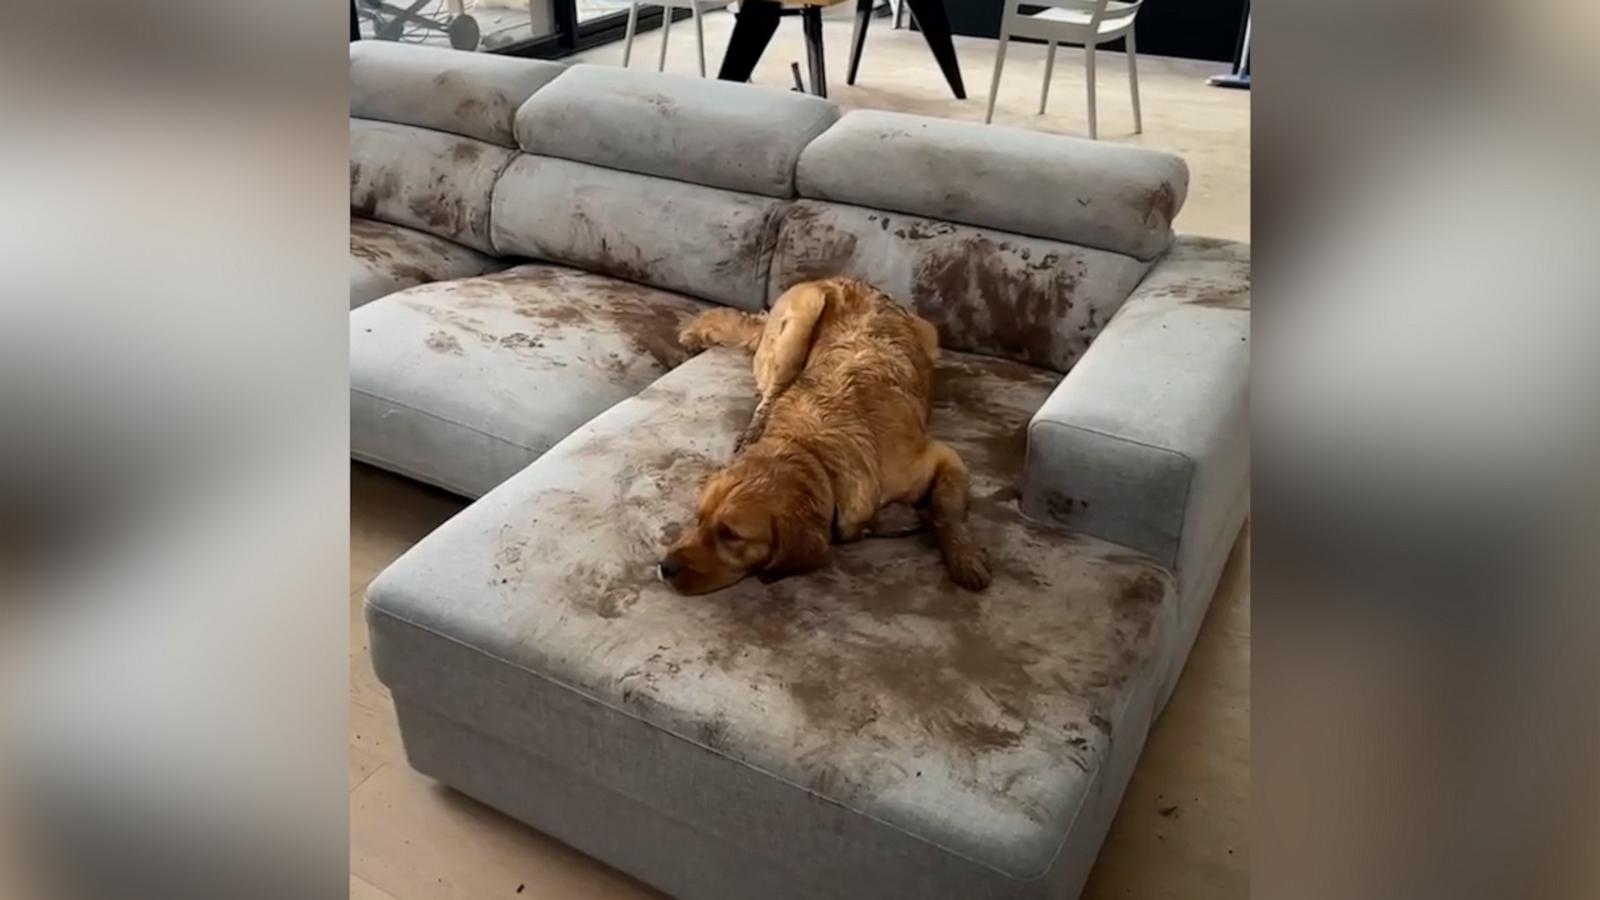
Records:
x=471, y=94
x=715, y=133
x=1090, y=193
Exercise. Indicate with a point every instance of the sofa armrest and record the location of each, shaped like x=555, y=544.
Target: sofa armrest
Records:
x=1146, y=440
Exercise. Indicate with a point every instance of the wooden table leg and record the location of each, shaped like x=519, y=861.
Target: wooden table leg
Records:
x=863, y=17
x=752, y=30
x=930, y=17
x=811, y=16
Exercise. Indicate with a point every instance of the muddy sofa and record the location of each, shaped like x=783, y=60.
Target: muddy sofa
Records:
x=868, y=730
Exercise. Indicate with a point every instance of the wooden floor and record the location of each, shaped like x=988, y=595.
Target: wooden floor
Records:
x=1181, y=831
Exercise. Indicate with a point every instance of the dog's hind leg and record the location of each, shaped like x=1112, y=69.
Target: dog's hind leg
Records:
x=723, y=328
x=781, y=352
x=786, y=340
x=948, y=484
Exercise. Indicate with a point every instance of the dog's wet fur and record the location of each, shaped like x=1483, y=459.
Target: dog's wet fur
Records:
x=841, y=432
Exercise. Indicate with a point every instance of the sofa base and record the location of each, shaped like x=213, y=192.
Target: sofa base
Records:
x=684, y=861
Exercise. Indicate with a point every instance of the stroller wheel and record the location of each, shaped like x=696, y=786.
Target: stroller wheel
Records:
x=463, y=31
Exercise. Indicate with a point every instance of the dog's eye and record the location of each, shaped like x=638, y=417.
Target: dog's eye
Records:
x=728, y=535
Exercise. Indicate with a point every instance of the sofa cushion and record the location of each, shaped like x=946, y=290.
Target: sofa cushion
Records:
x=696, y=240
x=714, y=133
x=463, y=383
x=385, y=258
x=428, y=180
x=1026, y=299
x=885, y=733
x=1108, y=196
x=471, y=94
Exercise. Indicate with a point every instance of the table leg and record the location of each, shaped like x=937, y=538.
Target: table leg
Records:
x=863, y=16
x=811, y=16
x=752, y=30
x=930, y=17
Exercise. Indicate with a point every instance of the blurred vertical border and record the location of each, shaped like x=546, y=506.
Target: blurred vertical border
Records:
x=1426, y=420
x=173, y=465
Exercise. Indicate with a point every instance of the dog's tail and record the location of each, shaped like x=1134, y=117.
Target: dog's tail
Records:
x=723, y=328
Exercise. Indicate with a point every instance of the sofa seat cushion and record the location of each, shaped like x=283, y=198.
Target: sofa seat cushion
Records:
x=385, y=258
x=905, y=738
x=463, y=383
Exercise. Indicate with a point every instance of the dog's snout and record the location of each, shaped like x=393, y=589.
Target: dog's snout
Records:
x=671, y=565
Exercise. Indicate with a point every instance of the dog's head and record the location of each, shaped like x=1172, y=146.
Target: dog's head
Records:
x=763, y=515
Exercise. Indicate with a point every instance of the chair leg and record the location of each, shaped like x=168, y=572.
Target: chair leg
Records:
x=816, y=59
x=1049, y=67
x=994, y=85
x=666, y=28
x=1088, y=56
x=858, y=38
x=699, y=38
x=1133, y=83
x=627, y=40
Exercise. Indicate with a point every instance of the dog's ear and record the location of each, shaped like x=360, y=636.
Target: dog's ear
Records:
x=801, y=536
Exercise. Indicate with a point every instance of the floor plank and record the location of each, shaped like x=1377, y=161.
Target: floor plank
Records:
x=421, y=841
x=360, y=889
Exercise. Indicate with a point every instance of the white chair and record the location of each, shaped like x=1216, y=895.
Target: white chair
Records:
x=1086, y=22
x=667, y=6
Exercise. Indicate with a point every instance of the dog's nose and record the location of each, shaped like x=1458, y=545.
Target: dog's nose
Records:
x=670, y=566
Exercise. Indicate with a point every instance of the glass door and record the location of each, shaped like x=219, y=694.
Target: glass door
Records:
x=541, y=28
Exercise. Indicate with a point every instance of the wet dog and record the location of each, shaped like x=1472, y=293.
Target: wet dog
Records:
x=840, y=432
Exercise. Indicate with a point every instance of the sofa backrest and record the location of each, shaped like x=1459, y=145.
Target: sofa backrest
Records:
x=475, y=95
x=430, y=132
x=671, y=181
x=1014, y=243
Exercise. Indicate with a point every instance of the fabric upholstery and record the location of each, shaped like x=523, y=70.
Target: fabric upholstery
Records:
x=1026, y=299
x=385, y=258
x=474, y=95
x=1107, y=196
x=695, y=240
x=427, y=180
x=463, y=383
x=1146, y=441
x=715, y=133
x=887, y=734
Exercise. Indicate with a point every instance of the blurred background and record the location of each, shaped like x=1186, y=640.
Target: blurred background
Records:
x=173, y=475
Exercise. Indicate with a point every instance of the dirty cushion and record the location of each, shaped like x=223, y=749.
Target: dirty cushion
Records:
x=915, y=739
x=428, y=180
x=695, y=240
x=1108, y=196
x=463, y=383
x=385, y=258
x=1026, y=299
x=471, y=94
x=716, y=133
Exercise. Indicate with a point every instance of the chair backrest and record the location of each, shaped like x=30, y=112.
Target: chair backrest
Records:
x=1099, y=11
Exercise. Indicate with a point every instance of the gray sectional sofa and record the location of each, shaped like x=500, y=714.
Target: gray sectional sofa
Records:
x=869, y=730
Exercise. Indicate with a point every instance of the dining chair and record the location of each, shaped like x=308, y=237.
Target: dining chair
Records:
x=1087, y=22
x=696, y=7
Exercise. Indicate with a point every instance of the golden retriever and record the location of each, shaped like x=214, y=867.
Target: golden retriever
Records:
x=841, y=430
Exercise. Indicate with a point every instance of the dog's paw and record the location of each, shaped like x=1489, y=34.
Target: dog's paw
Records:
x=696, y=336
x=969, y=567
